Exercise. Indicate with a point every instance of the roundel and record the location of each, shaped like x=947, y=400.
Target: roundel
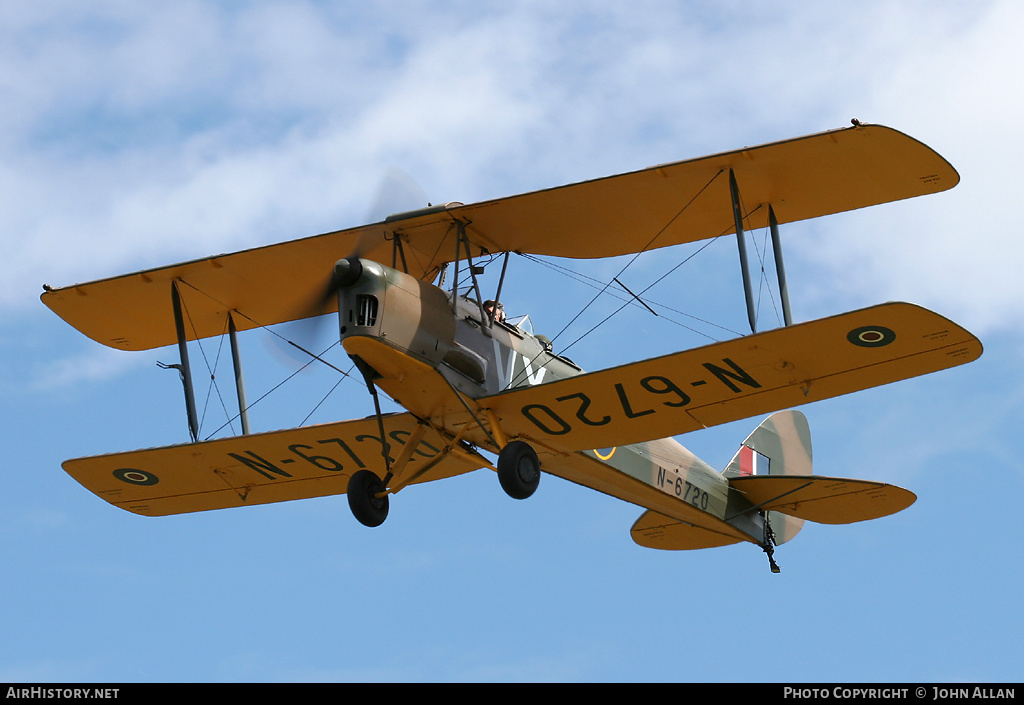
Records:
x=136, y=477
x=871, y=336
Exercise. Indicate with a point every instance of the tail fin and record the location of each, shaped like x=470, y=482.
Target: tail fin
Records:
x=781, y=445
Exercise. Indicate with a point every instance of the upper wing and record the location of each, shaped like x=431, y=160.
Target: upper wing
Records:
x=313, y=461
x=736, y=379
x=260, y=287
x=657, y=207
x=806, y=177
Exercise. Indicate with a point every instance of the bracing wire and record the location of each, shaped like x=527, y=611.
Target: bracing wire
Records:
x=278, y=386
x=596, y=284
x=640, y=252
x=645, y=290
x=314, y=357
x=762, y=284
x=213, y=386
x=604, y=287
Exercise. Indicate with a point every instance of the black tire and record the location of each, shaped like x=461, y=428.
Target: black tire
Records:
x=366, y=506
x=518, y=470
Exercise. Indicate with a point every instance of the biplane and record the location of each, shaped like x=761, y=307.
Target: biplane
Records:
x=473, y=383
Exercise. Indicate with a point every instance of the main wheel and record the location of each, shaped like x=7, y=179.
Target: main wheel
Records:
x=518, y=470
x=366, y=506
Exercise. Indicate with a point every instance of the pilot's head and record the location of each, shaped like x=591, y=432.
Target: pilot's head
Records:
x=495, y=309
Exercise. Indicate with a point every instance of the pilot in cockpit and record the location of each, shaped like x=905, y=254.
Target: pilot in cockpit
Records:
x=495, y=310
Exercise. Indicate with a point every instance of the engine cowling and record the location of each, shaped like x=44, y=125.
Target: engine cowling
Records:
x=406, y=313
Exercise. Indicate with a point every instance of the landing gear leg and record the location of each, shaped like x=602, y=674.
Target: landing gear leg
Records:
x=518, y=469
x=367, y=493
x=367, y=498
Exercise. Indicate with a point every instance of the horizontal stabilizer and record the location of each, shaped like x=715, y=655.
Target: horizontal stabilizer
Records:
x=826, y=500
x=313, y=461
x=654, y=530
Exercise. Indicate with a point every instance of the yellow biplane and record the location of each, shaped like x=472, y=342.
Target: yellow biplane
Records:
x=472, y=381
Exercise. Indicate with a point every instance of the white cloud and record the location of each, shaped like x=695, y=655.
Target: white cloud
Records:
x=96, y=364
x=957, y=251
x=147, y=135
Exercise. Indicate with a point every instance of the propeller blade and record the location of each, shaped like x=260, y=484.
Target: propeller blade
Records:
x=396, y=192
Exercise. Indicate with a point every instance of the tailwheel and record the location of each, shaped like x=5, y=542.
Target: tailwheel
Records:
x=518, y=470
x=366, y=498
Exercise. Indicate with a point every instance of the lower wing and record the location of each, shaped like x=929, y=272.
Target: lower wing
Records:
x=735, y=379
x=312, y=461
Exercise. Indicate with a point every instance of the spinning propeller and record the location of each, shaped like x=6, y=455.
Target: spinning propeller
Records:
x=367, y=493
x=397, y=192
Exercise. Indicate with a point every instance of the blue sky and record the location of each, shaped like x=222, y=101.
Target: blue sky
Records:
x=137, y=135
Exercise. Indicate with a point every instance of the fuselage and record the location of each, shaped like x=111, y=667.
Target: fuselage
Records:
x=481, y=357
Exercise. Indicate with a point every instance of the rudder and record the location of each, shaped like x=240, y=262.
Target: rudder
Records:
x=780, y=445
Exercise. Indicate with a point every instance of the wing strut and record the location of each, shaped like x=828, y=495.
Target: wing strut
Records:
x=780, y=268
x=236, y=361
x=461, y=235
x=737, y=214
x=185, y=370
